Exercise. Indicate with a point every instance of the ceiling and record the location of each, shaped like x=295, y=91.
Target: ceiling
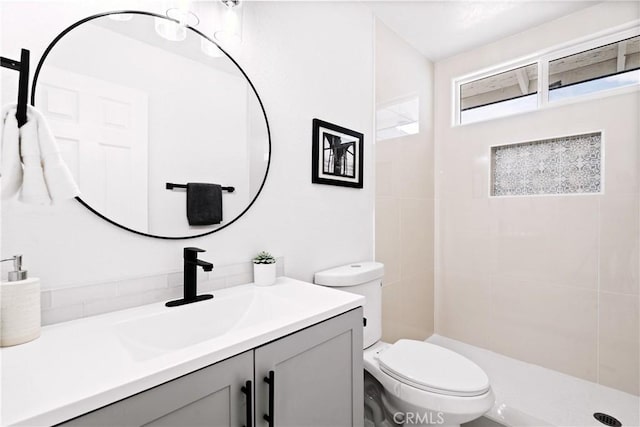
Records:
x=440, y=29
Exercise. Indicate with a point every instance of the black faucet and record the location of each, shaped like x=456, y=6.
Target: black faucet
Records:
x=191, y=262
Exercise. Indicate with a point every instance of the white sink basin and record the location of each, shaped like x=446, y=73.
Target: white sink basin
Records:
x=176, y=328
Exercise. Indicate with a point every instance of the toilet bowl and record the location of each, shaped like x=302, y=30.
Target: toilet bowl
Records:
x=453, y=390
x=419, y=383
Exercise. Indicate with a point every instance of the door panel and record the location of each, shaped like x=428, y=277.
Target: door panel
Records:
x=318, y=382
x=209, y=397
x=211, y=410
x=108, y=124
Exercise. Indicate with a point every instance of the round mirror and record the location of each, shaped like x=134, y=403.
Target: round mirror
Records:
x=163, y=131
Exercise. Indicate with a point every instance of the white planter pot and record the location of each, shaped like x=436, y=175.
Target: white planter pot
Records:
x=264, y=274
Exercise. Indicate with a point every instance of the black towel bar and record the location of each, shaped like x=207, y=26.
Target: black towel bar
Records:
x=171, y=186
x=22, y=67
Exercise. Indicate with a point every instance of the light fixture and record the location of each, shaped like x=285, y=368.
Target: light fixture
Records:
x=231, y=32
x=183, y=16
x=210, y=48
x=175, y=28
x=170, y=30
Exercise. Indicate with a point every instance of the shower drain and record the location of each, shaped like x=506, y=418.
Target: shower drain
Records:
x=607, y=420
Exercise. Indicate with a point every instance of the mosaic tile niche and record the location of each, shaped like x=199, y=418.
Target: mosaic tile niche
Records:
x=567, y=165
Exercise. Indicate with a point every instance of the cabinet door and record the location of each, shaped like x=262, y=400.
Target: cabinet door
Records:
x=210, y=397
x=317, y=376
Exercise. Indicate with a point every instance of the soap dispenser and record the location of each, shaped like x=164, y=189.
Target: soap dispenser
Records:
x=19, y=306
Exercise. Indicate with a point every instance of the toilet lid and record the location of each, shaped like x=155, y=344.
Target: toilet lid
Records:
x=433, y=368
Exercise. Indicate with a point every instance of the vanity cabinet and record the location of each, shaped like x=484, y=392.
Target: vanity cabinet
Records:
x=211, y=396
x=317, y=376
x=313, y=377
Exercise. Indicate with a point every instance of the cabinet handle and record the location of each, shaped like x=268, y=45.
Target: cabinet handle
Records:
x=271, y=381
x=246, y=389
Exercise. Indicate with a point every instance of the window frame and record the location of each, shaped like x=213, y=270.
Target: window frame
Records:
x=542, y=58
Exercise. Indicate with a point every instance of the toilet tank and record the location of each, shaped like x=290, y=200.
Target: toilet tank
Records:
x=362, y=278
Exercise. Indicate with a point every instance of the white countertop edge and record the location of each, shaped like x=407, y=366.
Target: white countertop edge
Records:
x=106, y=397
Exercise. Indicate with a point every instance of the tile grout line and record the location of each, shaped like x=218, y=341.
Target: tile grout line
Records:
x=598, y=278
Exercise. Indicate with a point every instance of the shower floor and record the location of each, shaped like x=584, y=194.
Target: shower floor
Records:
x=529, y=395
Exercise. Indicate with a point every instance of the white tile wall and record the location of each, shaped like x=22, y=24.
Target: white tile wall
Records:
x=404, y=194
x=550, y=280
x=64, y=304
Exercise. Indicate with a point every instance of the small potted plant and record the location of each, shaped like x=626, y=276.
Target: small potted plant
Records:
x=264, y=269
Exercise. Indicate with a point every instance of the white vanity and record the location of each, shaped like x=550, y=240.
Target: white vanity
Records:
x=199, y=364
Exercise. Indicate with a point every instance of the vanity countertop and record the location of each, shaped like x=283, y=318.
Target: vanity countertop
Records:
x=81, y=365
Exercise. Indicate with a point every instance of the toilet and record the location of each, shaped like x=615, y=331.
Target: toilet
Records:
x=410, y=382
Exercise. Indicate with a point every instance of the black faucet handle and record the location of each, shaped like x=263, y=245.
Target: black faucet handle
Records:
x=192, y=249
x=191, y=253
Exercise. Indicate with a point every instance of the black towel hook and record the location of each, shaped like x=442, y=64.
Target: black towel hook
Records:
x=22, y=67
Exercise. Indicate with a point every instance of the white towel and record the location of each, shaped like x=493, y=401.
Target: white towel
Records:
x=34, y=188
x=58, y=178
x=46, y=177
x=10, y=167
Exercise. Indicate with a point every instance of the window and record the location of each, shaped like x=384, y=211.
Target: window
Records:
x=605, y=67
x=500, y=94
x=600, y=65
x=397, y=119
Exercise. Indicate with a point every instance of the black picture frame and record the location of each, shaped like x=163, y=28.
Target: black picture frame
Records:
x=337, y=156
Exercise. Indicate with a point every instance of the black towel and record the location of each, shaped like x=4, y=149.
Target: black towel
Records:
x=204, y=203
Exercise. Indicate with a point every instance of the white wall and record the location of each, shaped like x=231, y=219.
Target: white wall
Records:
x=290, y=52
x=551, y=280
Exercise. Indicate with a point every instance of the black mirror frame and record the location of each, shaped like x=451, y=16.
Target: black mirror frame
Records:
x=264, y=113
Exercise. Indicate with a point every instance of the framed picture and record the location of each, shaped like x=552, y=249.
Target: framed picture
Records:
x=337, y=157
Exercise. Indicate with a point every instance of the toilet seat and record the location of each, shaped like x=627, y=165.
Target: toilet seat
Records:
x=433, y=369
